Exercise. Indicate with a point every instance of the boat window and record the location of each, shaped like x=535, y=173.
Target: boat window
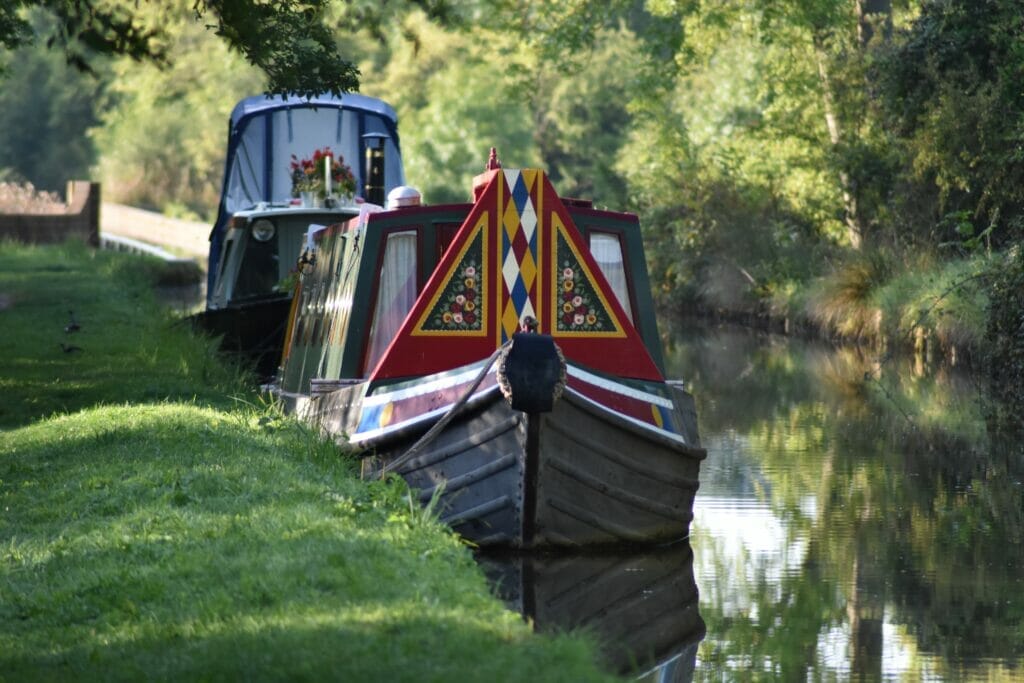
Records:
x=445, y=236
x=396, y=293
x=607, y=251
x=222, y=291
x=258, y=271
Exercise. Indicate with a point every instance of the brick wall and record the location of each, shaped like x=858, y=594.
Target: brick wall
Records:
x=81, y=219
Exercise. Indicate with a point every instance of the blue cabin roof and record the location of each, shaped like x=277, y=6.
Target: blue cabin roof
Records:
x=260, y=103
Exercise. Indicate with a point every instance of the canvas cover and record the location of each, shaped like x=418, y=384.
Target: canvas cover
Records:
x=265, y=131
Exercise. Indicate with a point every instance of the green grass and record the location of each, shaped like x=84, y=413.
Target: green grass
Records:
x=158, y=522
x=880, y=299
x=131, y=351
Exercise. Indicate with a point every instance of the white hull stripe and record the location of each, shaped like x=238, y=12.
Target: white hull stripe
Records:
x=428, y=387
x=609, y=385
x=359, y=437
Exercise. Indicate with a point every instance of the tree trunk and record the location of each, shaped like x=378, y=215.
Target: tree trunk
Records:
x=854, y=228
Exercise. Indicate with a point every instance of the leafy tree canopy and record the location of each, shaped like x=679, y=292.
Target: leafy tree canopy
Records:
x=286, y=39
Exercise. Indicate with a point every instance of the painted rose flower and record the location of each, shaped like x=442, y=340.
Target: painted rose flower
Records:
x=568, y=274
x=460, y=299
x=578, y=319
x=470, y=271
x=577, y=300
x=457, y=318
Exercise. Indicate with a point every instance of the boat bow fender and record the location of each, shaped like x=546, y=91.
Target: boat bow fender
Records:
x=531, y=372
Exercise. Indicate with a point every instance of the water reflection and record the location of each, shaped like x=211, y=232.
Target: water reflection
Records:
x=642, y=607
x=856, y=519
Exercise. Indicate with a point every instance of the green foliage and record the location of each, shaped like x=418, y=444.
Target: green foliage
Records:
x=287, y=40
x=453, y=108
x=164, y=131
x=1005, y=334
x=46, y=110
x=952, y=87
x=925, y=305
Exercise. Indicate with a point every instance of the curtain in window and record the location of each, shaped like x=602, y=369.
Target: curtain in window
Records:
x=607, y=251
x=396, y=293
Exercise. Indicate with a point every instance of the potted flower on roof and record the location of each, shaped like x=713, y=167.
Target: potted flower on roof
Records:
x=322, y=175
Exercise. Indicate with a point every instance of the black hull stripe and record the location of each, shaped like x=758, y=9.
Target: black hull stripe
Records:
x=479, y=511
x=471, y=477
x=628, y=497
x=619, y=459
x=433, y=457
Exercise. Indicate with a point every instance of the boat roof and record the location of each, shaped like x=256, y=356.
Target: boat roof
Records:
x=262, y=103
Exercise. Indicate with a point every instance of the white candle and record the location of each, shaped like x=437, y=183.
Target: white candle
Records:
x=327, y=175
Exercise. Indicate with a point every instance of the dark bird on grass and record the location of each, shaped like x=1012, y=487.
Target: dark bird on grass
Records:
x=69, y=348
x=72, y=326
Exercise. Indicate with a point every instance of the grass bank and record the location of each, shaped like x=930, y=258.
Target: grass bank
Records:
x=158, y=522
x=895, y=303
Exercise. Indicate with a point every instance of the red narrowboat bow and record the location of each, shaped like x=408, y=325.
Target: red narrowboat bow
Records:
x=503, y=357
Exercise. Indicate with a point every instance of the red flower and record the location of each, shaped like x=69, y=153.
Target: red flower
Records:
x=470, y=318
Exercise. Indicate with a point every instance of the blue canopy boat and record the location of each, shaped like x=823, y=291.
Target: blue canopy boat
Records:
x=260, y=225
x=503, y=357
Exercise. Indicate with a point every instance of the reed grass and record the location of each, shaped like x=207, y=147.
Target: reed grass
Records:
x=158, y=521
x=905, y=303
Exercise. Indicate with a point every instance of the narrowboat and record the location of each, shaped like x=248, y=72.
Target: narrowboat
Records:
x=503, y=357
x=343, y=150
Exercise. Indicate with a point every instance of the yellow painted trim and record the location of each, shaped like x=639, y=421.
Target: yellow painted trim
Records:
x=478, y=230
x=619, y=331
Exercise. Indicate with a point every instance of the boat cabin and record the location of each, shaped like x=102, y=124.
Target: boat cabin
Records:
x=261, y=223
x=364, y=279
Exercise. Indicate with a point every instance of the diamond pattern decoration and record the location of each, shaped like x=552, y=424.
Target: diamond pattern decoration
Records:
x=519, y=251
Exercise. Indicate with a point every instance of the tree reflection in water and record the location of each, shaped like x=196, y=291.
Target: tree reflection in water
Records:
x=856, y=519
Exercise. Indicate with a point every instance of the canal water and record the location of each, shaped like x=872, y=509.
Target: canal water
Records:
x=857, y=519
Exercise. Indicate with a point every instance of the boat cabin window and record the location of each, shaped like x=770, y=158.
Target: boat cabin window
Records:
x=396, y=293
x=445, y=236
x=222, y=290
x=607, y=251
x=258, y=271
